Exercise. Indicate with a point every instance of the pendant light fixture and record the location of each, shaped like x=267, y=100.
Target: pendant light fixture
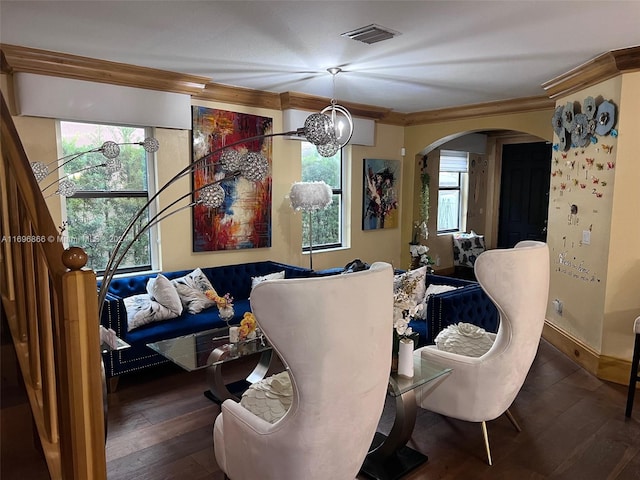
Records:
x=341, y=122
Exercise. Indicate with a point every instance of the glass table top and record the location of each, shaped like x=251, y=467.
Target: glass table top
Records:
x=192, y=352
x=423, y=372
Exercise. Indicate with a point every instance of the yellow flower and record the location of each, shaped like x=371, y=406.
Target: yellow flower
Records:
x=221, y=302
x=211, y=295
x=249, y=321
x=243, y=331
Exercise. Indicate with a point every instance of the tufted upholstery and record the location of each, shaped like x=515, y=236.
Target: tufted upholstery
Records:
x=232, y=279
x=468, y=304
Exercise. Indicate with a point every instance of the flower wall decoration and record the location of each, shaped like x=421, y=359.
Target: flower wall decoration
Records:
x=576, y=129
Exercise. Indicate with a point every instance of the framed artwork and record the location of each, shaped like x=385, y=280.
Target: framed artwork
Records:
x=380, y=198
x=244, y=219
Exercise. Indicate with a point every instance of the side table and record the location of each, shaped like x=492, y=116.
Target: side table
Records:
x=390, y=458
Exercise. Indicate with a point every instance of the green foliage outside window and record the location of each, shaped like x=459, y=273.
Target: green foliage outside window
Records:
x=105, y=202
x=326, y=223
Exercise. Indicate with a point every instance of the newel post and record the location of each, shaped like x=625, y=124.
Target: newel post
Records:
x=81, y=402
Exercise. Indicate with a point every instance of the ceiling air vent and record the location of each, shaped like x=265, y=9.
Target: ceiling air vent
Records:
x=371, y=34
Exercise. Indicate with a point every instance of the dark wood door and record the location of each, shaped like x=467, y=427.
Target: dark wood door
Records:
x=524, y=193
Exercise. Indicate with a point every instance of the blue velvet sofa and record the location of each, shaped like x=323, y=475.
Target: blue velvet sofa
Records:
x=467, y=303
x=232, y=279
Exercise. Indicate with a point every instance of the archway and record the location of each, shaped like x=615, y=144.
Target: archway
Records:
x=484, y=187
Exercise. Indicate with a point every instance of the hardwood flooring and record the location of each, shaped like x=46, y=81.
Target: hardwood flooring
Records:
x=574, y=428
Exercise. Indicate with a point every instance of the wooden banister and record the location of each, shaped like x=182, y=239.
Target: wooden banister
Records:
x=51, y=305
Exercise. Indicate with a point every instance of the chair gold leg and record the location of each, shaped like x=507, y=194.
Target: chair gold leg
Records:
x=486, y=441
x=513, y=420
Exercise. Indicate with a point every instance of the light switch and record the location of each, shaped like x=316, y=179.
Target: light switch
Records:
x=586, y=237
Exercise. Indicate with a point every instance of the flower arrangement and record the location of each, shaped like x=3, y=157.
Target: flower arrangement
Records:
x=404, y=308
x=224, y=304
x=419, y=256
x=248, y=326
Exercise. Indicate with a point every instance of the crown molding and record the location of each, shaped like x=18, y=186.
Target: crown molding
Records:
x=503, y=107
x=43, y=62
x=216, y=92
x=596, y=70
x=31, y=60
x=302, y=101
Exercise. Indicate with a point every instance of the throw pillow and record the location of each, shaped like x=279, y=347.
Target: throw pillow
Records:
x=271, y=276
x=141, y=310
x=270, y=398
x=412, y=284
x=162, y=291
x=464, y=339
x=433, y=290
x=195, y=291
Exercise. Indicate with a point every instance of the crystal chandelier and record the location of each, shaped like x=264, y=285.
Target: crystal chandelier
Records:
x=109, y=150
x=334, y=124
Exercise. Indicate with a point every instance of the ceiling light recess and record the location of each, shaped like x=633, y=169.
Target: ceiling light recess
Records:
x=371, y=34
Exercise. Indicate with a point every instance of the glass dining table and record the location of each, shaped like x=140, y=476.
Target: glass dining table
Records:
x=389, y=457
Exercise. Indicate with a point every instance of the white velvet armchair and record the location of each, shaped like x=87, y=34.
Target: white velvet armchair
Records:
x=334, y=335
x=482, y=388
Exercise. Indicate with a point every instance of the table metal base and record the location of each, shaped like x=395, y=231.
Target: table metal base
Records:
x=236, y=389
x=218, y=390
x=393, y=467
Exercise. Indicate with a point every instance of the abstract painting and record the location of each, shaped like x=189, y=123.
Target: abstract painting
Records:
x=244, y=219
x=380, y=199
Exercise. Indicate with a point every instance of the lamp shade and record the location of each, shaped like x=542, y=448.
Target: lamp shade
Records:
x=308, y=196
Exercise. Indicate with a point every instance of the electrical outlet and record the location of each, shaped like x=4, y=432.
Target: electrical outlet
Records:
x=557, y=305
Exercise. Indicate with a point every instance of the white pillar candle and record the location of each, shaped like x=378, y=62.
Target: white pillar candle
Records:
x=234, y=334
x=405, y=358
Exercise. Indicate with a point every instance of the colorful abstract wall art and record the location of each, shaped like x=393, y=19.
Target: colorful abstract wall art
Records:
x=380, y=199
x=244, y=219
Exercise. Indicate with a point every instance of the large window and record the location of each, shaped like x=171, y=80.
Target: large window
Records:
x=452, y=191
x=327, y=224
x=106, y=199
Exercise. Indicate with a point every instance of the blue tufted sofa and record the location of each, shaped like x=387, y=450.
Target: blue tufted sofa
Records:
x=468, y=303
x=232, y=279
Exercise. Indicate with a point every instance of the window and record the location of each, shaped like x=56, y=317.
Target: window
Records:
x=105, y=201
x=328, y=223
x=452, y=191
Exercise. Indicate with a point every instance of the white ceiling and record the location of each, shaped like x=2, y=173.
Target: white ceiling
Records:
x=449, y=53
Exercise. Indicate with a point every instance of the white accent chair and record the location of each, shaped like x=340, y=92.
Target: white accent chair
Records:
x=480, y=389
x=334, y=335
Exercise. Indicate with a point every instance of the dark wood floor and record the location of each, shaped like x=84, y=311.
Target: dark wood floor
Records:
x=160, y=427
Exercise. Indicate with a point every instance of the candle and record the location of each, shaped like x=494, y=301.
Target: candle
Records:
x=405, y=358
x=234, y=334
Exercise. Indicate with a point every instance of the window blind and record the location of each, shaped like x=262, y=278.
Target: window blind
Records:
x=454, y=161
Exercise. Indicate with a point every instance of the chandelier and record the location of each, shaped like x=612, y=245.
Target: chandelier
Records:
x=109, y=150
x=334, y=124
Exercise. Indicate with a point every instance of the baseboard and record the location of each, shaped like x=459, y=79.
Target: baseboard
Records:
x=604, y=367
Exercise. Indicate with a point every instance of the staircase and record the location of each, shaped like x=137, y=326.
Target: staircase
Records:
x=51, y=360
